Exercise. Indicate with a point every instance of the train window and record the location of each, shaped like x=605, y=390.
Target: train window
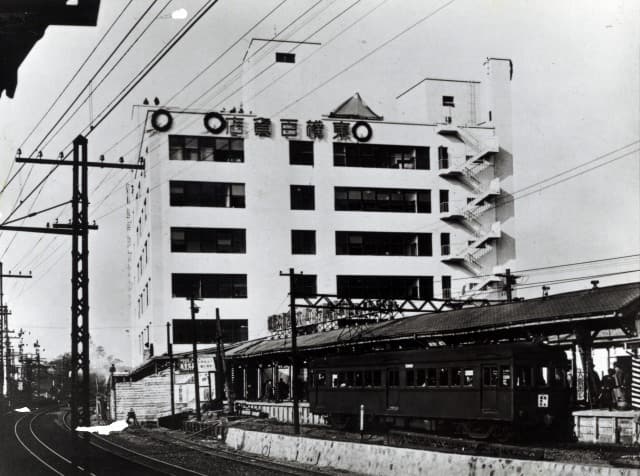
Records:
x=321, y=379
x=358, y=379
x=523, y=376
x=490, y=376
x=349, y=379
x=421, y=380
x=456, y=376
x=559, y=378
x=505, y=376
x=377, y=380
x=410, y=378
x=542, y=376
x=368, y=378
x=393, y=378
x=467, y=379
x=443, y=377
x=431, y=378
x=342, y=379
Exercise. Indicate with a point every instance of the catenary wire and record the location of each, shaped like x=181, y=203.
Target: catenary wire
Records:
x=141, y=75
x=213, y=62
x=77, y=72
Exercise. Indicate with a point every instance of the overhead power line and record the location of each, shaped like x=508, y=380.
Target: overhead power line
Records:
x=33, y=214
x=574, y=279
x=125, y=91
x=372, y=52
x=95, y=75
x=113, y=67
x=77, y=72
x=261, y=20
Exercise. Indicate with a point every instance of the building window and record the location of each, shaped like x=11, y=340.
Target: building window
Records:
x=303, y=242
x=302, y=197
x=382, y=200
x=445, y=244
x=285, y=58
x=448, y=101
x=206, y=194
x=383, y=244
x=444, y=201
x=443, y=157
x=209, y=285
x=208, y=240
x=385, y=287
x=214, y=149
x=446, y=287
x=300, y=152
x=305, y=285
x=234, y=330
x=380, y=156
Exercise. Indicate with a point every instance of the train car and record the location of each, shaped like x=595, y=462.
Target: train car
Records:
x=479, y=391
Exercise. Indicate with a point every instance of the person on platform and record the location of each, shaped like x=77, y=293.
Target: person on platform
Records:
x=268, y=391
x=283, y=390
x=605, y=398
x=620, y=387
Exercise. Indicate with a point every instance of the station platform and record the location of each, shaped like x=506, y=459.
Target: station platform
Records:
x=607, y=426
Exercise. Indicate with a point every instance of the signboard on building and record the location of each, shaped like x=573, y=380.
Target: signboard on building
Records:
x=205, y=364
x=233, y=330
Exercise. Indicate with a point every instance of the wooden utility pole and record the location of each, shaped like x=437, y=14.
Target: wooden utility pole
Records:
x=194, y=310
x=226, y=376
x=294, y=350
x=4, y=327
x=509, y=282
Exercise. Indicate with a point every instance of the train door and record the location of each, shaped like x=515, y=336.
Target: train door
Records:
x=489, y=389
x=392, y=385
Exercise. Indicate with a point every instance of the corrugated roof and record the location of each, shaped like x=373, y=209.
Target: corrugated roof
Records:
x=577, y=304
x=354, y=108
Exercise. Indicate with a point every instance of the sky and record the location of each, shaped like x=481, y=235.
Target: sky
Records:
x=575, y=99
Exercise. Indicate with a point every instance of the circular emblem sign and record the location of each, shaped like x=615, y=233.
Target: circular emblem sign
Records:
x=361, y=131
x=161, y=120
x=214, y=122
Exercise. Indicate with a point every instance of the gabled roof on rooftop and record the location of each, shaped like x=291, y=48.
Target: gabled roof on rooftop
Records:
x=355, y=108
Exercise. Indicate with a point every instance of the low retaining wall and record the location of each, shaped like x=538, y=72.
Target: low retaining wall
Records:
x=391, y=461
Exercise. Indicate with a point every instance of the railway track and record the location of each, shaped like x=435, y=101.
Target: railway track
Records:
x=197, y=454
x=38, y=449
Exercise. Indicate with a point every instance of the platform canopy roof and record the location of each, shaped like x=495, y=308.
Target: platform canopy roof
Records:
x=23, y=23
x=355, y=108
x=591, y=310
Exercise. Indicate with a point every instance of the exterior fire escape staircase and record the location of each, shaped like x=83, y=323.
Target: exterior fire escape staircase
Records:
x=467, y=171
x=470, y=253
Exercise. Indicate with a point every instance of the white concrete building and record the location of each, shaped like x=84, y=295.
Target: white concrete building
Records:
x=412, y=202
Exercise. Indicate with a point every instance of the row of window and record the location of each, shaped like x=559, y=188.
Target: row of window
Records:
x=206, y=148
x=235, y=286
x=232, y=195
x=233, y=240
x=444, y=376
x=224, y=149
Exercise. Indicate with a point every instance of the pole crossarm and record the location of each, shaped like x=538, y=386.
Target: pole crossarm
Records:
x=36, y=229
x=102, y=165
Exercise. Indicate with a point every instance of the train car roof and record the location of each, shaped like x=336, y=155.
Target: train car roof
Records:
x=467, y=353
